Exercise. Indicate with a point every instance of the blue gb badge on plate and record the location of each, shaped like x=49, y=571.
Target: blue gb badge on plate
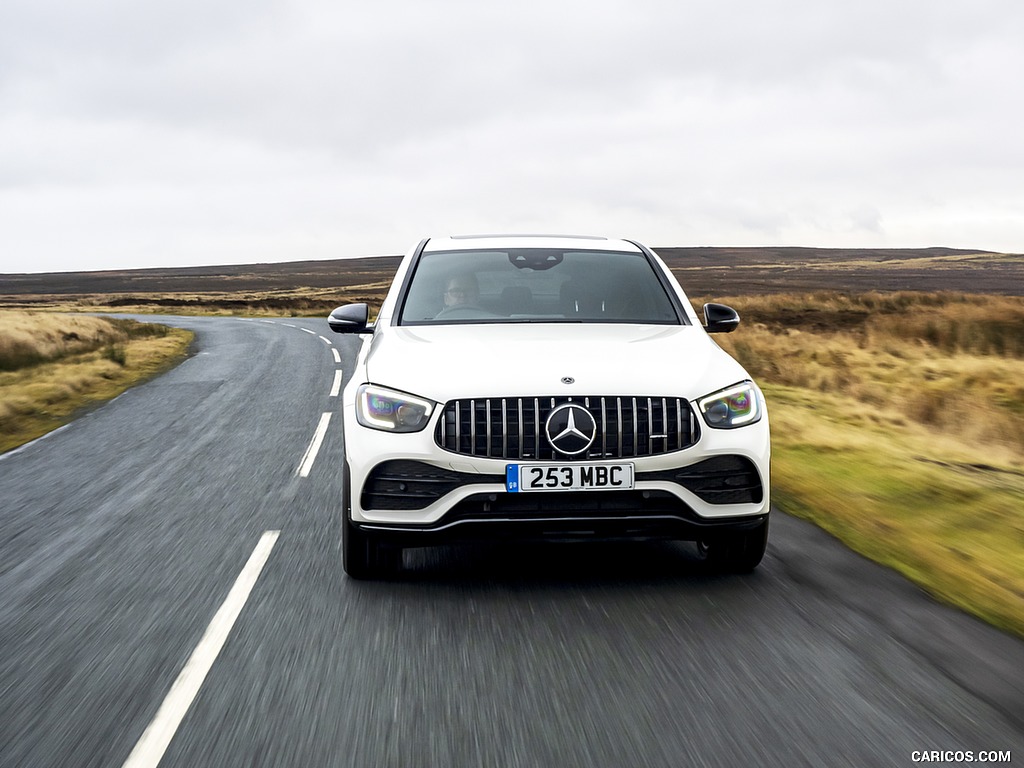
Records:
x=512, y=478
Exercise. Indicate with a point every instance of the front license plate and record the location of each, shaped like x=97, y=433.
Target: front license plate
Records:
x=568, y=477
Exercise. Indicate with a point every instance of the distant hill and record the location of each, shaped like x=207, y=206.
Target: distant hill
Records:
x=703, y=271
x=743, y=271
x=241, y=277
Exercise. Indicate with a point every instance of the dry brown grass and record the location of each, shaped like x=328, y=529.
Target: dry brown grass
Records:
x=898, y=425
x=948, y=362
x=291, y=302
x=52, y=365
x=28, y=338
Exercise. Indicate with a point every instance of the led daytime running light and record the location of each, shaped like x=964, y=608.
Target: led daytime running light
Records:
x=385, y=409
x=733, y=407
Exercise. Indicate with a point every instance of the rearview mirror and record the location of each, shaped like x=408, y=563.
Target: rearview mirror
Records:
x=350, y=318
x=719, y=318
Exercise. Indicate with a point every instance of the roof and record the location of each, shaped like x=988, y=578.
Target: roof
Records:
x=486, y=241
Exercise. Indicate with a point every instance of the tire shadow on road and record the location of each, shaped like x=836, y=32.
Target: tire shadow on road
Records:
x=532, y=565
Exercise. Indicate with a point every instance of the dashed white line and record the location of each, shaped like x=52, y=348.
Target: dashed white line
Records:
x=337, y=355
x=325, y=340
x=308, y=331
x=336, y=386
x=314, y=446
x=151, y=747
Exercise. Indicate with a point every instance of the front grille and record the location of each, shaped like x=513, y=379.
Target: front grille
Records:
x=513, y=427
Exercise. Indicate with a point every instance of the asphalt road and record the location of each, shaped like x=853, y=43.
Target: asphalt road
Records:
x=122, y=535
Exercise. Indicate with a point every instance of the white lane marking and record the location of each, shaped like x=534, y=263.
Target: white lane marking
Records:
x=314, y=446
x=289, y=325
x=325, y=341
x=26, y=446
x=308, y=331
x=336, y=387
x=268, y=322
x=337, y=355
x=151, y=747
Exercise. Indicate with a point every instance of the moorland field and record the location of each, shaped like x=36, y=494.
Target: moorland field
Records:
x=894, y=378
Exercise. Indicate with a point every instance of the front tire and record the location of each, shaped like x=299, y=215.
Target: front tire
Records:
x=364, y=557
x=739, y=552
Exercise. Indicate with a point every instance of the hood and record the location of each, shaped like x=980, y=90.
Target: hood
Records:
x=461, y=361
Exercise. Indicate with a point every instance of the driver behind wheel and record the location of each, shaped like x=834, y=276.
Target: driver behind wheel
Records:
x=462, y=291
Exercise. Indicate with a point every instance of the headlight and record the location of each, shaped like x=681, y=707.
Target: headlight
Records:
x=736, y=406
x=380, y=408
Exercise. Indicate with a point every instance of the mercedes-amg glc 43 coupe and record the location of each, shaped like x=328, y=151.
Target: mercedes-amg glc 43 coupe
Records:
x=517, y=387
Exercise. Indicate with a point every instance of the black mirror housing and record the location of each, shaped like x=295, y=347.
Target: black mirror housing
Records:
x=349, y=318
x=719, y=318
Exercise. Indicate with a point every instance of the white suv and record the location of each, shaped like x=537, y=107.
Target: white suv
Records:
x=553, y=387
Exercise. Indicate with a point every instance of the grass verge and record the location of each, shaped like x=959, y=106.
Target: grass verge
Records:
x=53, y=366
x=947, y=516
x=898, y=426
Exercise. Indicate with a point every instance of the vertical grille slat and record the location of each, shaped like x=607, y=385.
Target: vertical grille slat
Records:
x=679, y=423
x=504, y=428
x=618, y=423
x=664, y=424
x=488, y=426
x=537, y=429
x=646, y=447
x=634, y=418
x=513, y=427
x=520, y=412
x=472, y=427
x=604, y=429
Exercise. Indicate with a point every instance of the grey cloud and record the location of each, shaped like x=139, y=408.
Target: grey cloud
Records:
x=348, y=127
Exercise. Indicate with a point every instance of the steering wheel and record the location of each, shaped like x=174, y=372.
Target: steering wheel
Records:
x=463, y=312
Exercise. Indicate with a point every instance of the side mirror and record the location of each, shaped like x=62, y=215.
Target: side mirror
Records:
x=718, y=318
x=350, y=318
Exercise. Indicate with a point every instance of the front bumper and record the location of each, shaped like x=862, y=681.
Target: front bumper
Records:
x=407, y=488
x=593, y=515
x=632, y=527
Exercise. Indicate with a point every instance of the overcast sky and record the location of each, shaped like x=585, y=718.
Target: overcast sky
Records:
x=137, y=134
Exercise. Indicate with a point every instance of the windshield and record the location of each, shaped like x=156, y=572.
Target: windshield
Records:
x=536, y=285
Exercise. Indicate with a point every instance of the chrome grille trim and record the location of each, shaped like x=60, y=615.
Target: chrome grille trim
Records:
x=536, y=426
x=650, y=422
x=513, y=427
x=472, y=426
x=635, y=430
x=504, y=429
x=679, y=422
x=458, y=425
x=664, y=422
x=618, y=410
x=520, y=406
x=488, y=407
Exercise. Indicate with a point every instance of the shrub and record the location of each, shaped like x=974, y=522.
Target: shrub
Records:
x=115, y=353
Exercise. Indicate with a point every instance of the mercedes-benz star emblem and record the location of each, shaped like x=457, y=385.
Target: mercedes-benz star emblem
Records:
x=571, y=429
x=568, y=380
